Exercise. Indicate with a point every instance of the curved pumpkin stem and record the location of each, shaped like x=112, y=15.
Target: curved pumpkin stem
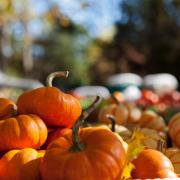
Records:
x=54, y=75
x=113, y=121
x=77, y=146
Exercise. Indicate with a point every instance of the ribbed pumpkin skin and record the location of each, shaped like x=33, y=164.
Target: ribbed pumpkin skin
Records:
x=103, y=157
x=21, y=132
x=56, y=134
x=119, y=111
x=152, y=164
x=21, y=165
x=151, y=120
x=7, y=108
x=53, y=106
x=174, y=155
x=174, y=129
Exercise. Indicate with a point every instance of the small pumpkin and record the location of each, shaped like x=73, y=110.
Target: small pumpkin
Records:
x=153, y=138
x=174, y=155
x=118, y=110
x=52, y=105
x=152, y=120
x=174, y=129
x=21, y=164
x=151, y=164
x=7, y=108
x=126, y=113
x=92, y=153
x=21, y=132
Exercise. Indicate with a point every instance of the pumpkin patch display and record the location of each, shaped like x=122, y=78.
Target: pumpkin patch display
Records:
x=174, y=129
x=152, y=164
x=7, y=108
x=21, y=132
x=21, y=164
x=120, y=140
x=52, y=105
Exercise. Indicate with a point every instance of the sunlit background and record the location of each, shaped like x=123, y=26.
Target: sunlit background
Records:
x=92, y=39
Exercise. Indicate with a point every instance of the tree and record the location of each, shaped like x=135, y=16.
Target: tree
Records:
x=147, y=38
x=65, y=47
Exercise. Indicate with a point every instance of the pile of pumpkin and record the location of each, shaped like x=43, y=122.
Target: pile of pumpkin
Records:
x=45, y=136
x=159, y=135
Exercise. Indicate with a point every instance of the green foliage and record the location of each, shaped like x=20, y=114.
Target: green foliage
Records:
x=152, y=28
x=66, y=50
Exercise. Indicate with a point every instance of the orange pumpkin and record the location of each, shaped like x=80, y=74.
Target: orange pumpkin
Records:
x=101, y=156
x=152, y=164
x=174, y=129
x=21, y=132
x=174, y=155
x=52, y=105
x=21, y=164
x=60, y=132
x=91, y=153
x=152, y=120
x=7, y=108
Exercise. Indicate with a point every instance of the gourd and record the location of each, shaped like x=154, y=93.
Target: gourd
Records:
x=52, y=105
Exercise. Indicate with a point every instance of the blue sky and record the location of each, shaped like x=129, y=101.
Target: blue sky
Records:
x=95, y=15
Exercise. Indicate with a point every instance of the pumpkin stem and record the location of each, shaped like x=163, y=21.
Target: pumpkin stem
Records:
x=160, y=145
x=56, y=74
x=113, y=121
x=77, y=145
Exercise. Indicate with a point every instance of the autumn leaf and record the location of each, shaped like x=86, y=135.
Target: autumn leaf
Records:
x=127, y=171
x=135, y=147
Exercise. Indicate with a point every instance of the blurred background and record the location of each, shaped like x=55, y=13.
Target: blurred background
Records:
x=92, y=39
